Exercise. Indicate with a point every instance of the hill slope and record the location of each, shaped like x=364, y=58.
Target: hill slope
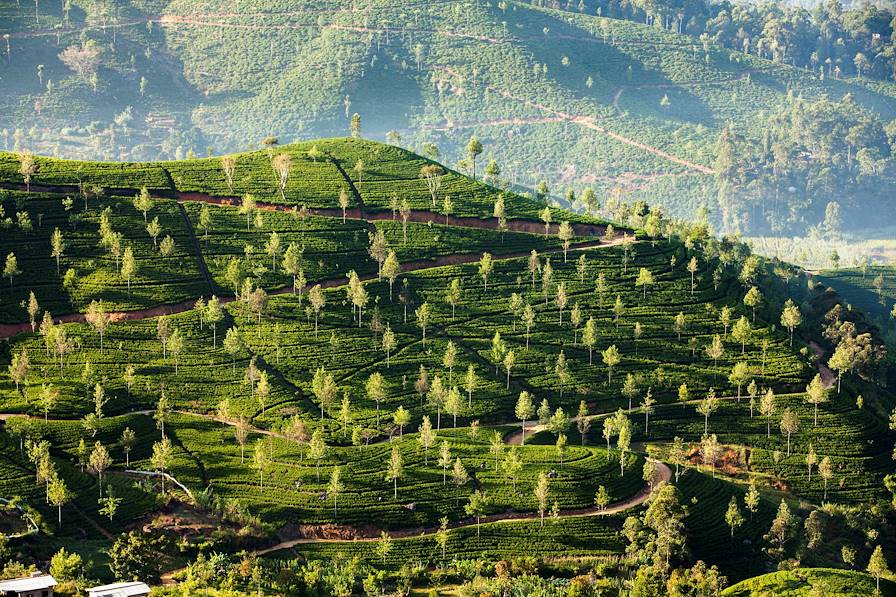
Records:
x=576, y=100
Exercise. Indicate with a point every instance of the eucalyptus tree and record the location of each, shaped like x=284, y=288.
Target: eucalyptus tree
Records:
x=524, y=411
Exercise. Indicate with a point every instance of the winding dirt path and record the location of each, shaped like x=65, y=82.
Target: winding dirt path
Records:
x=664, y=475
x=590, y=122
x=8, y=330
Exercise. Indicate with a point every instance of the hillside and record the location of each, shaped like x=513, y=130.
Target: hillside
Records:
x=578, y=101
x=809, y=581
x=303, y=392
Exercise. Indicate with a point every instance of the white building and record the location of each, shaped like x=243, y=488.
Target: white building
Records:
x=36, y=585
x=120, y=589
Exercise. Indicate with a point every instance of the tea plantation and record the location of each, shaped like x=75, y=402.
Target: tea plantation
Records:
x=422, y=394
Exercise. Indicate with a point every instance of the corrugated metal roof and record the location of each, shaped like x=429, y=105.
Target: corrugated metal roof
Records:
x=120, y=589
x=31, y=583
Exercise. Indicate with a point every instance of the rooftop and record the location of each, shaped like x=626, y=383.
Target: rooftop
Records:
x=30, y=583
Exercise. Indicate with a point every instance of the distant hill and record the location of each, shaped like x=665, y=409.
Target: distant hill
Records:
x=575, y=100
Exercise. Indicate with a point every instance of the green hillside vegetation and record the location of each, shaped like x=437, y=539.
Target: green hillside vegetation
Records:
x=332, y=379
x=808, y=581
x=714, y=116
x=871, y=289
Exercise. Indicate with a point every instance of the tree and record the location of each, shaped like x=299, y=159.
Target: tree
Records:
x=739, y=375
x=390, y=270
x=589, y=338
x=680, y=324
x=561, y=300
x=529, y=320
x=474, y=148
x=324, y=388
x=154, y=229
x=710, y=450
x=575, y=317
x=752, y=499
x=811, y=460
x=509, y=361
x=57, y=245
x=317, y=300
x=782, y=527
x=453, y=403
x=561, y=370
x=401, y=417
x=317, y=449
x=426, y=437
x=623, y=429
x=618, y=310
x=162, y=453
x=733, y=517
x=442, y=535
x=228, y=165
x=742, y=332
x=471, y=381
x=791, y=318
x=611, y=358
x=715, y=350
x=476, y=506
x=143, y=203
x=486, y=266
x=533, y=265
x=355, y=125
x=546, y=218
x=282, y=163
x=815, y=395
x=753, y=299
x=98, y=463
x=335, y=487
x=19, y=368
x=644, y=280
x=11, y=267
x=128, y=440
x=665, y=517
x=48, y=398
x=647, y=408
x=247, y=208
x=432, y=176
x=445, y=459
x=707, y=407
x=59, y=495
x=877, y=566
x=541, y=495
x=175, y=346
x=424, y=314
x=790, y=422
x=583, y=423
x=565, y=234
x=109, y=505
x=602, y=498
x=394, y=469
x=767, y=409
x=389, y=342
x=524, y=411
x=98, y=318
x=692, y=268
x=459, y=475
x=27, y=165
x=844, y=358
